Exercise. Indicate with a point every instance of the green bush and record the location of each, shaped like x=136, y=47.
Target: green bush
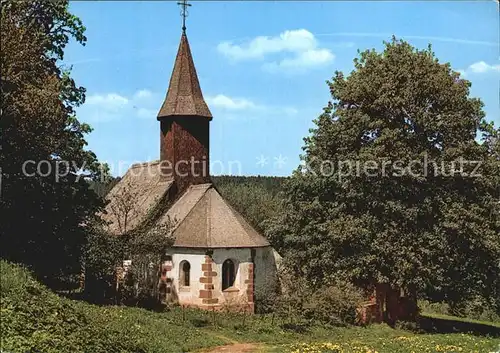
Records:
x=102, y=254
x=140, y=285
x=429, y=307
x=265, y=300
x=334, y=304
x=300, y=303
x=477, y=308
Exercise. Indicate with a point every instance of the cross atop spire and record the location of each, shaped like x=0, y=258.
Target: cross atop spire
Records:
x=184, y=13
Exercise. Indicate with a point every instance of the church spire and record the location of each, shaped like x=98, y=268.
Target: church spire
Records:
x=184, y=123
x=184, y=96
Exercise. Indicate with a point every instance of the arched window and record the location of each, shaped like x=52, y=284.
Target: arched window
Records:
x=185, y=268
x=228, y=274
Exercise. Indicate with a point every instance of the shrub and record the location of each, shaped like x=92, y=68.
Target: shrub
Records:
x=441, y=308
x=265, y=300
x=334, y=304
x=289, y=305
x=477, y=308
x=300, y=303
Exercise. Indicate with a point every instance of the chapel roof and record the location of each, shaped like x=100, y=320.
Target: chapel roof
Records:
x=139, y=191
x=201, y=218
x=184, y=96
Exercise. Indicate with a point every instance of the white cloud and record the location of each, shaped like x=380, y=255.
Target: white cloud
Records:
x=257, y=48
x=110, y=100
x=479, y=67
x=300, y=48
x=290, y=111
x=223, y=106
x=143, y=93
x=113, y=106
x=482, y=67
x=145, y=104
x=225, y=102
x=302, y=61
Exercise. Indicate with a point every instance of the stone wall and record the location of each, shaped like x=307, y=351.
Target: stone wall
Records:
x=205, y=289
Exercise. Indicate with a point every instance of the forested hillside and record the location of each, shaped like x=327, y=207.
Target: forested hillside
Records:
x=257, y=198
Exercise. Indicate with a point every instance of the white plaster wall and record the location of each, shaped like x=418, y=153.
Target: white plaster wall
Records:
x=195, y=257
x=265, y=272
x=241, y=258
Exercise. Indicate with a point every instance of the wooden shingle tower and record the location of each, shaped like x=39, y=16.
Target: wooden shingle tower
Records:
x=185, y=123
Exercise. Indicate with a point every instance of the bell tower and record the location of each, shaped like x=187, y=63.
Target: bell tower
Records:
x=184, y=122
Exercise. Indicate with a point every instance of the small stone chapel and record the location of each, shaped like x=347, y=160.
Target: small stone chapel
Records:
x=217, y=258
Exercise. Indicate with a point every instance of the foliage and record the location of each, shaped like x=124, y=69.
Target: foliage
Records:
x=425, y=228
x=45, y=200
x=271, y=184
x=266, y=300
x=147, y=251
x=154, y=241
x=476, y=309
x=108, y=247
x=34, y=319
x=433, y=308
x=140, y=285
x=258, y=199
x=335, y=304
x=300, y=304
x=103, y=252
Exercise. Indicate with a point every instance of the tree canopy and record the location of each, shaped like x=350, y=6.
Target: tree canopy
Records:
x=45, y=200
x=395, y=186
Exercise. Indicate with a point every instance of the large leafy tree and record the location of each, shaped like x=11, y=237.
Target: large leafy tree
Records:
x=44, y=206
x=381, y=197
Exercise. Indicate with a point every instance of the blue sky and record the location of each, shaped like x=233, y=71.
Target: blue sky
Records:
x=262, y=68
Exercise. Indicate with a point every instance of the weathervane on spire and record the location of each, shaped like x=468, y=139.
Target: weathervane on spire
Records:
x=184, y=13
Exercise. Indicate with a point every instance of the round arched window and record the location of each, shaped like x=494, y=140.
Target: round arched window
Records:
x=185, y=269
x=228, y=274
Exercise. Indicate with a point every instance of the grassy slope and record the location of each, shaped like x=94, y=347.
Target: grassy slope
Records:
x=380, y=338
x=35, y=318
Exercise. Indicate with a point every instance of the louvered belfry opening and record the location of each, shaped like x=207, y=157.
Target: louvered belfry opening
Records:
x=185, y=124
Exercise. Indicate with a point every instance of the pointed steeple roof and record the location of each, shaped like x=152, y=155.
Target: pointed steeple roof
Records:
x=184, y=97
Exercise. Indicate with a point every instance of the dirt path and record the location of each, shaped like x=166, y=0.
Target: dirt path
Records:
x=236, y=348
